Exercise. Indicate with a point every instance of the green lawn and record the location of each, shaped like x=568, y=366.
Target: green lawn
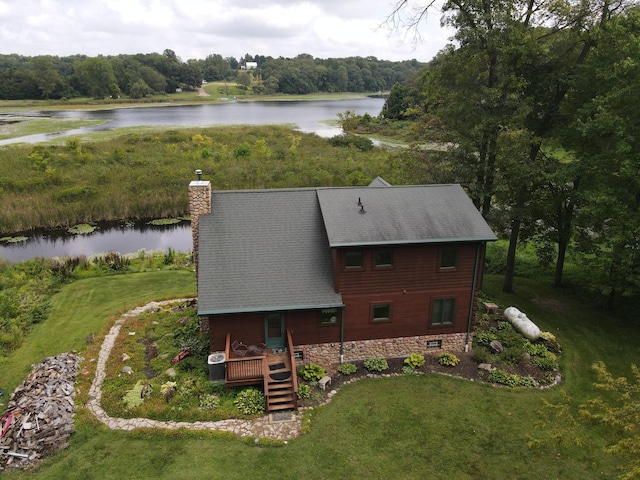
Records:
x=84, y=307
x=431, y=427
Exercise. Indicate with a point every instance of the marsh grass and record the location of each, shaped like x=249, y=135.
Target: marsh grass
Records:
x=22, y=126
x=145, y=175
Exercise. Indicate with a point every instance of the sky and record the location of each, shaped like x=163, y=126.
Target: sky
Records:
x=198, y=28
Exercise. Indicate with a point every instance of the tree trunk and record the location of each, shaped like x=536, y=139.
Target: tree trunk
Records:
x=516, y=222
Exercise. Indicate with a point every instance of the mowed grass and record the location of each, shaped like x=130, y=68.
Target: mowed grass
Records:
x=431, y=426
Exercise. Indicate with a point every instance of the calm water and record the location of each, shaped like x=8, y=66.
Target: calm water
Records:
x=126, y=238
x=306, y=115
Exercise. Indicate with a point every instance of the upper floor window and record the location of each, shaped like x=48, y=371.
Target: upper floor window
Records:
x=448, y=257
x=384, y=257
x=353, y=259
x=381, y=312
x=442, y=311
x=329, y=316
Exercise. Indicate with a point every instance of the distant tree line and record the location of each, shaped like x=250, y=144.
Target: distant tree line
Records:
x=139, y=75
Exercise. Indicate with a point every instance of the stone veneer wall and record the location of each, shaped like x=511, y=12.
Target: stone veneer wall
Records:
x=328, y=354
x=199, y=204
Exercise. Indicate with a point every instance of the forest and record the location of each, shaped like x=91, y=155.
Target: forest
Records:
x=538, y=107
x=136, y=76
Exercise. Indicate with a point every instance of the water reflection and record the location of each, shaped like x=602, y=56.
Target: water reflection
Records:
x=307, y=116
x=109, y=237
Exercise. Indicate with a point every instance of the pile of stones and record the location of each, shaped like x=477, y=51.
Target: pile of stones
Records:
x=39, y=417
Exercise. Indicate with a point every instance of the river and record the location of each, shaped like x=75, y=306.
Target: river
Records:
x=307, y=116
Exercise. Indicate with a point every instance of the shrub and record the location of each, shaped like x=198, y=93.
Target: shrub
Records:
x=304, y=391
x=376, y=364
x=504, y=325
x=481, y=355
x=448, y=359
x=250, y=401
x=347, y=368
x=536, y=349
x=484, y=338
x=527, y=382
x=209, y=402
x=546, y=362
x=414, y=360
x=312, y=372
x=512, y=355
x=503, y=378
x=407, y=370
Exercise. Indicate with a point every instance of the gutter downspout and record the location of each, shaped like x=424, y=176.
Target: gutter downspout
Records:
x=473, y=297
x=342, y=335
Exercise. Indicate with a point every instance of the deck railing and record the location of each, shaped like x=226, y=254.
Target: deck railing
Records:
x=243, y=370
x=292, y=359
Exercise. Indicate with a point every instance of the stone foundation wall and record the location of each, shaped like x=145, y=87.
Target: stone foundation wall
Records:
x=328, y=354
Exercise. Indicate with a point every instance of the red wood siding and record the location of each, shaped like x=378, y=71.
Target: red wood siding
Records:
x=249, y=328
x=410, y=287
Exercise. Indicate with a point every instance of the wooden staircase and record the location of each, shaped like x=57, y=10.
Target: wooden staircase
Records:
x=280, y=393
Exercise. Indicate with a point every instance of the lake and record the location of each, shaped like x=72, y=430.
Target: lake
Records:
x=125, y=238
x=307, y=116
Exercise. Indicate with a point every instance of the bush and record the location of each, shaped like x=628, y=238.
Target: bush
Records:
x=347, y=368
x=376, y=364
x=312, y=372
x=512, y=355
x=448, y=360
x=503, y=378
x=250, y=401
x=304, y=391
x=481, y=355
x=546, y=362
x=414, y=360
x=209, y=402
x=484, y=338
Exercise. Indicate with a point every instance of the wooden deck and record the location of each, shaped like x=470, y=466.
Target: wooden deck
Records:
x=258, y=370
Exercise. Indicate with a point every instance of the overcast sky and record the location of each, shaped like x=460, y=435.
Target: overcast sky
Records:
x=197, y=28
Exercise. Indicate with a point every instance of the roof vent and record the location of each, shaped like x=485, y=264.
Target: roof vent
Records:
x=199, y=174
x=359, y=202
x=362, y=209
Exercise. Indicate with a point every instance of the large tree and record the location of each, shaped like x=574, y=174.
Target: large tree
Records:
x=96, y=77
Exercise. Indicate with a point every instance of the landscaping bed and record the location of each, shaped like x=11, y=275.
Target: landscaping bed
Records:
x=142, y=381
x=521, y=363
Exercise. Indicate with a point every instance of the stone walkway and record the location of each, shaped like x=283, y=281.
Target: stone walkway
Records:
x=277, y=426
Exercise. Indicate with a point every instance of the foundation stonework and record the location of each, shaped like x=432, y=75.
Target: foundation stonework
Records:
x=328, y=354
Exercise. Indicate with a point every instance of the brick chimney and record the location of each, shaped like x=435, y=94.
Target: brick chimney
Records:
x=199, y=204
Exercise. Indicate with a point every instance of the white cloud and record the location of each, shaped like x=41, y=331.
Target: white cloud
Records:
x=197, y=28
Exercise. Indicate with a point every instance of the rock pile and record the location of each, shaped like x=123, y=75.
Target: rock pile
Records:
x=39, y=418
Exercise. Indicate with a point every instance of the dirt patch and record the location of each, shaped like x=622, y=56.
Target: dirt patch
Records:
x=550, y=304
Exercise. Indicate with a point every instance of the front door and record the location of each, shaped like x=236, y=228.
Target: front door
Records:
x=274, y=330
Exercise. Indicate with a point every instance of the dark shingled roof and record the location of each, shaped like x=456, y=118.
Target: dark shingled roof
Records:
x=264, y=250
x=401, y=215
x=268, y=250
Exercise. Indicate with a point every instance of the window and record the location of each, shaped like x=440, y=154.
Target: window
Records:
x=384, y=257
x=329, y=316
x=381, y=313
x=448, y=257
x=442, y=311
x=353, y=259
